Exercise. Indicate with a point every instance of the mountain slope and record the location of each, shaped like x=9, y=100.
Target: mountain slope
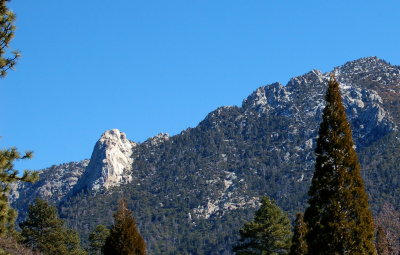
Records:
x=191, y=192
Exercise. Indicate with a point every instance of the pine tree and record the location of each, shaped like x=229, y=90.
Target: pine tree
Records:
x=124, y=238
x=338, y=217
x=43, y=231
x=9, y=175
x=268, y=234
x=7, y=28
x=299, y=243
x=97, y=239
x=382, y=244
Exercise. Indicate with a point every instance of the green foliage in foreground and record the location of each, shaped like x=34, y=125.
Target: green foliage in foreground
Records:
x=97, y=239
x=43, y=231
x=269, y=233
x=7, y=28
x=9, y=175
x=299, y=243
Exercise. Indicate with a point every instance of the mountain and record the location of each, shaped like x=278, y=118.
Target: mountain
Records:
x=192, y=192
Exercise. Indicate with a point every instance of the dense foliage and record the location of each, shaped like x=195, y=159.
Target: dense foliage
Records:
x=7, y=28
x=269, y=233
x=9, y=175
x=124, y=236
x=299, y=242
x=43, y=231
x=338, y=219
x=97, y=239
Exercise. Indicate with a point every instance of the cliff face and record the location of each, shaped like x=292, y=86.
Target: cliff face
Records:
x=110, y=164
x=209, y=178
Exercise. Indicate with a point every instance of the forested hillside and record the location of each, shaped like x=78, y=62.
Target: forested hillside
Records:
x=191, y=192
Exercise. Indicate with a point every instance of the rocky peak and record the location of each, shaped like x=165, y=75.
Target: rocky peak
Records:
x=308, y=80
x=377, y=76
x=267, y=97
x=113, y=136
x=111, y=162
x=368, y=72
x=367, y=64
x=157, y=139
x=302, y=98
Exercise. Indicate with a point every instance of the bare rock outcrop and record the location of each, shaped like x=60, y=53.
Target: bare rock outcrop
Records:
x=110, y=164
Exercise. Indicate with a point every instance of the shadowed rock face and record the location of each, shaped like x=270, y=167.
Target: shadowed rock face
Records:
x=111, y=162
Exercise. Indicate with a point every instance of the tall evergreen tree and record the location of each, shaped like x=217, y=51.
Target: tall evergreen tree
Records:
x=7, y=28
x=124, y=238
x=299, y=243
x=8, y=174
x=268, y=234
x=43, y=231
x=338, y=217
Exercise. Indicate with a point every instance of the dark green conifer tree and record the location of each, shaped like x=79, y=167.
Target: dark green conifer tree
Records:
x=338, y=217
x=268, y=234
x=299, y=243
x=124, y=238
x=9, y=175
x=97, y=239
x=381, y=244
x=44, y=232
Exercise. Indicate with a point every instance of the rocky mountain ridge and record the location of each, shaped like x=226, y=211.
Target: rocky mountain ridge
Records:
x=209, y=178
x=109, y=166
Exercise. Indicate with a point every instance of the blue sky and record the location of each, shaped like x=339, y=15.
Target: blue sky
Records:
x=147, y=67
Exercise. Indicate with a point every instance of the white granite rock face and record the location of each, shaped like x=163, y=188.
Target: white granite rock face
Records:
x=109, y=166
x=111, y=162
